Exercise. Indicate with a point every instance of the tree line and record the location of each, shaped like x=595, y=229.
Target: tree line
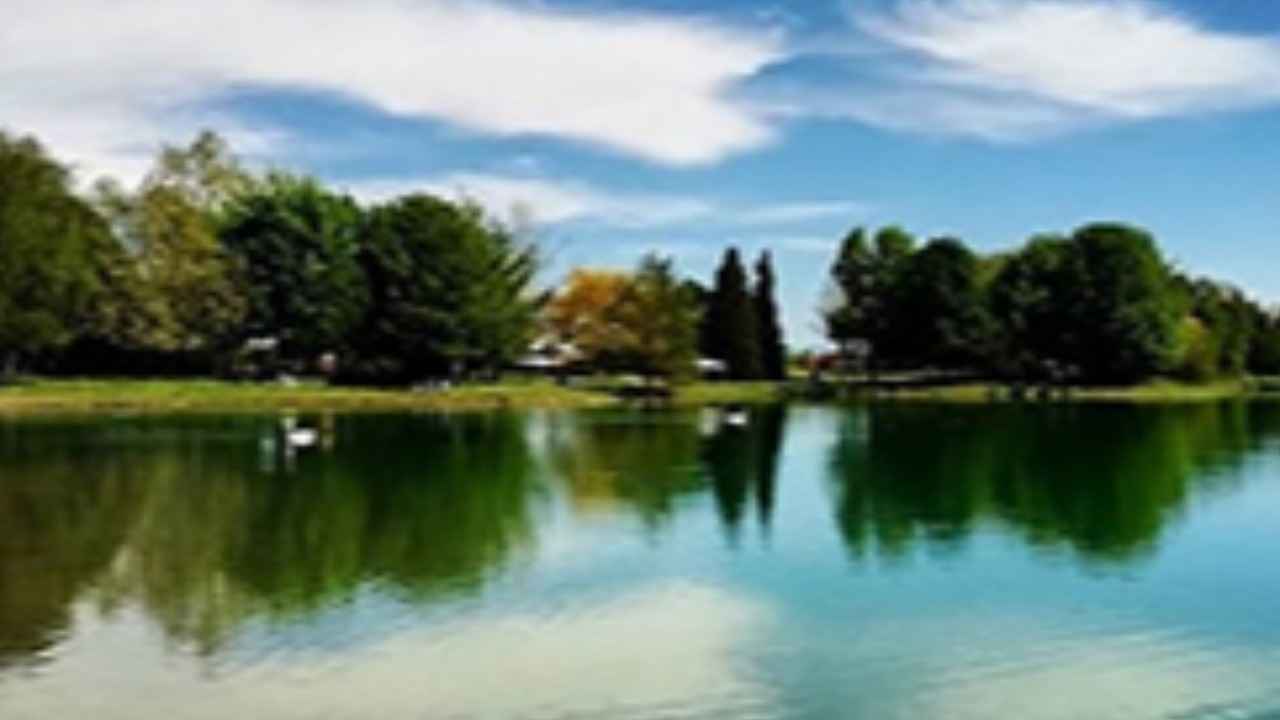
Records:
x=654, y=323
x=207, y=268
x=1101, y=304
x=179, y=274
x=204, y=267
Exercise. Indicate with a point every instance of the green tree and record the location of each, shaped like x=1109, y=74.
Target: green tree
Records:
x=174, y=287
x=701, y=295
x=1099, y=306
x=659, y=317
x=773, y=353
x=299, y=246
x=1225, y=314
x=733, y=323
x=865, y=273
x=1030, y=302
x=854, y=274
x=936, y=296
x=1127, y=309
x=47, y=240
x=1264, y=346
x=449, y=292
x=205, y=173
x=1198, y=351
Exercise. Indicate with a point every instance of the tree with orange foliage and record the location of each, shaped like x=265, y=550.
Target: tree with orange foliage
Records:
x=579, y=313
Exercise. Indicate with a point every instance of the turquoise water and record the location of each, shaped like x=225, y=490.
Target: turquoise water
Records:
x=883, y=562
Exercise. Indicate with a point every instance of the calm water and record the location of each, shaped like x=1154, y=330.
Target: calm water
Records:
x=910, y=562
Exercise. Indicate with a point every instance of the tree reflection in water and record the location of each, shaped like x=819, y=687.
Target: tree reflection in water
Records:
x=186, y=519
x=648, y=464
x=179, y=516
x=1102, y=481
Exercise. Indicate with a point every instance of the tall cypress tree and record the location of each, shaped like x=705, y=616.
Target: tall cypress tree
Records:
x=732, y=325
x=773, y=354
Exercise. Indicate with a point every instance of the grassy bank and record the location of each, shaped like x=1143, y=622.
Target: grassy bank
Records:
x=1157, y=391
x=91, y=396
x=209, y=395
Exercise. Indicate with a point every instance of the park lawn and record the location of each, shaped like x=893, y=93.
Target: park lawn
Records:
x=213, y=395
x=716, y=393
x=41, y=396
x=193, y=395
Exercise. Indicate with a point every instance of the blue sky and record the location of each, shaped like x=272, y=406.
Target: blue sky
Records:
x=622, y=127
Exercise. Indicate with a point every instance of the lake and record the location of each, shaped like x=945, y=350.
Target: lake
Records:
x=914, y=562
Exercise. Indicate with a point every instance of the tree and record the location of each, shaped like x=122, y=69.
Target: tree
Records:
x=1127, y=309
x=1100, y=306
x=47, y=239
x=1226, y=317
x=701, y=295
x=732, y=325
x=660, y=319
x=205, y=173
x=936, y=308
x=1029, y=300
x=1198, y=353
x=174, y=287
x=581, y=313
x=1264, y=346
x=449, y=291
x=893, y=246
x=773, y=352
x=854, y=274
x=299, y=246
x=865, y=273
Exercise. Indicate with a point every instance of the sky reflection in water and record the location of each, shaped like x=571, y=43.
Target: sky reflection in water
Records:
x=913, y=562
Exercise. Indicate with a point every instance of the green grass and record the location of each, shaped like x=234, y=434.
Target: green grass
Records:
x=210, y=395
x=712, y=393
x=1155, y=391
x=106, y=395
x=109, y=395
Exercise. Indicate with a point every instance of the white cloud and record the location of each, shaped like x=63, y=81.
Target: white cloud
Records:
x=932, y=110
x=798, y=212
x=1015, y=70
x=808, y=244
x=1126, y=58
x=548, y=201
x=105, y=80
x=634, y=656
x=551, y=201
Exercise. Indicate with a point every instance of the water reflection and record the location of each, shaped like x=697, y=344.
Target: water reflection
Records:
x=649, y=465
x=743, y=464
x=60, y=526
x=179, y=516
x=640, y=463
x=204, y=530
x=1103, y=481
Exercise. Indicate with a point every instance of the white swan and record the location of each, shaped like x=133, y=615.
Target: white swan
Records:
x=298, y=437
x=736, y=417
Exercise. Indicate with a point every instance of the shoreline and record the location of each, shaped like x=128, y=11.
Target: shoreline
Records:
x=54, y=397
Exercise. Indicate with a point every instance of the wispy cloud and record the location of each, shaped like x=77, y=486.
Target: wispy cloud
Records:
x=798, y=212
x=545, y=201
x=1127, y=58
x=1024, y=69
x=553, y=201
x=105, y=80
x=808, y=244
